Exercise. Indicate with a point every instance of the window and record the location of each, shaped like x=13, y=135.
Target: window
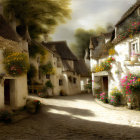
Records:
x=60, y=82
x=139, y=11
x=70, y=79
x=135, y=48
x=74, y=80
x=47, y=76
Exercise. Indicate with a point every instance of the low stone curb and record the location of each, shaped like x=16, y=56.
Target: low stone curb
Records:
x=108, y=106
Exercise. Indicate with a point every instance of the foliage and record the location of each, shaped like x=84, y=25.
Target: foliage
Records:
x=105, y=65
x=32, y=72
x=97, y=92
x=16, y=63
x=103, y=97
x=82, y=37
x=39, y=16
x=89, y=85
x=49, y=84
x=131, y=88
x=33, y=106
x=47, y=68
x=115, y=97
x=35, y=49
x=6, y=116
x=130, y=84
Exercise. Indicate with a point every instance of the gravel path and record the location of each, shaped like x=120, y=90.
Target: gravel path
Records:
x=77, y=117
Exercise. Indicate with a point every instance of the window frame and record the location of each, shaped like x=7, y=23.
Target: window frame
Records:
x=134, y=47
x=60, y=82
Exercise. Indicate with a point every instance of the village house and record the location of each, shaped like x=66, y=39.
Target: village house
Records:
x=125, y=40
x=67, y=74
x=13, y=66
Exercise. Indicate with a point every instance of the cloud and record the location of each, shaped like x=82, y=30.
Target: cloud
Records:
x=90, y=13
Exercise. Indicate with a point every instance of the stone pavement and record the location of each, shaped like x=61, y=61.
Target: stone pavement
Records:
x=77, y=117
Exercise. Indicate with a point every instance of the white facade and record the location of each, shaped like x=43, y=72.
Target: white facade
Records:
x=64, y=81
x=13, y=90
x=120, y=68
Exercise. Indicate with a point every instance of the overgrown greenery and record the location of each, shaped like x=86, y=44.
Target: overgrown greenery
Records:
x=38, y=17
x=49, y=84
x=16, y=63
x=116, y=96
x=82, y=38
x=31, y=72
x=47, y=68
x=35, y=49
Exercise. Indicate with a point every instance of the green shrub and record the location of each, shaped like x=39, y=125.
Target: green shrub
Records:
x=88, y=86
x=97, y=93
x=35, y=49
x=33, y=106
x=47, y=68
x=6, y=116
x=103, y=97
x=49, y=84
x=116, y=96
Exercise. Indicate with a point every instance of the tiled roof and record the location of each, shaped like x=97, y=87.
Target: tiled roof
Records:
x=61, y=48
x=81, y=68
x=6, y=31
x=129, y=12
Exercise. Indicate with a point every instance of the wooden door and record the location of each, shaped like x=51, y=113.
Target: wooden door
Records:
x=7, y=92
x=105, y=84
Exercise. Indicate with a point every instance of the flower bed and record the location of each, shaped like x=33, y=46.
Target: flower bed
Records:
x=16, y=63
x=115, y=98
x=103, y=97
x=131, y=87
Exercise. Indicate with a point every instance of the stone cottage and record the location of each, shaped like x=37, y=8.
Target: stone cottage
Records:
x=68, y=74
x=125, y=40
x=13, y=77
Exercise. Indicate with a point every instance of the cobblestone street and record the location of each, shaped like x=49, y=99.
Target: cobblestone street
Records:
x=77, y=117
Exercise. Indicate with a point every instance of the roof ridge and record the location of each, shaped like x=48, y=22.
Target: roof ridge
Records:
x=128, y=12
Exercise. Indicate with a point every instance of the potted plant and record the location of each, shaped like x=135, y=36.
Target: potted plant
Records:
x=129, y=105
x=49, y=87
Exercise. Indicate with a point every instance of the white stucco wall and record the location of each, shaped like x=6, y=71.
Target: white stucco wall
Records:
x=120, y=67
x=83, y=82
x=18, y=87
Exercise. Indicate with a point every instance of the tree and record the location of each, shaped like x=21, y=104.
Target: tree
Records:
x=83, y=38
x=37, y=17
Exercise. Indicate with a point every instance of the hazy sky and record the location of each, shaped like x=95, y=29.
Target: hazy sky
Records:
x=89, y=14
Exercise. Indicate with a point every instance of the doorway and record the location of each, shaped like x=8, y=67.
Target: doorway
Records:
x=7, y=92
x=105, y=84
